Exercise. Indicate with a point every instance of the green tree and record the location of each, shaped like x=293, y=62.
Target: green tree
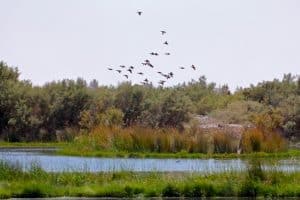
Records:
x=130, y=99
x=176, y=109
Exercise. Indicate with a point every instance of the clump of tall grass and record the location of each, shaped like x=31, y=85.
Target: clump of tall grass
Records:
x=224, y=143
x=169, y=140
x=258, y=140
x=9, y=171
x=264, y=182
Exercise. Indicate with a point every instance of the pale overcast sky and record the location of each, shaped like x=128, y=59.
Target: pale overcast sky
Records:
x=234, y=41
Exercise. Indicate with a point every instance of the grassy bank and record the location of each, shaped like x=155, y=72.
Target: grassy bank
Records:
x=33, y=144
x=73, y=149
x=38, y=183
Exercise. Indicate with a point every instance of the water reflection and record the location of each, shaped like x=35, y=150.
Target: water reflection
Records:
x=50, y=162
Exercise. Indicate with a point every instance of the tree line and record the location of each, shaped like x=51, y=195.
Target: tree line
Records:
x=59, y=109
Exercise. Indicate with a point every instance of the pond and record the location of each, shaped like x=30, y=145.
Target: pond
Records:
x=47, y=160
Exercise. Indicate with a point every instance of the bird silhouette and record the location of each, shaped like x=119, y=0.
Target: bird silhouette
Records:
x=161, y=82
x=150, y=65
x=167, y=76
x=127, y=70
x=154, y=54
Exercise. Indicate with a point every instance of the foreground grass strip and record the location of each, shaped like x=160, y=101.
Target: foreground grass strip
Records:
x=254, y=183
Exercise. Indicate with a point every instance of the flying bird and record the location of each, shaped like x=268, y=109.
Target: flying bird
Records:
x=130, y=70
x=139, y=13
x=162, y=82
x=126, y=76
x=122, y=66
x=150, y=65
x=167, y=76
x=147, y=61
x=110, y=69
x=146, y=81
x=171, y=74
x=163, y=32
x=193, y=66
x=181, y=67
x=131, y=67
x=154, y=54
x=141, y=73
x=166, y=43
x=167, y=54
x=119, y=71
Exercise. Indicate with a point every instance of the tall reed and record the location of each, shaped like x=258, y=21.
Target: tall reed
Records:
x=257, y=140
x=167, y=140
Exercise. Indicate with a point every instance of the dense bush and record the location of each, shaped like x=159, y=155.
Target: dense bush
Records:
x=56, y=110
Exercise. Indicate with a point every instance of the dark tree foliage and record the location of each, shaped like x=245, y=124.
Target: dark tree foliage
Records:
x=175, y=110
x=130, y=99
x=282, y=96
x=44, y=112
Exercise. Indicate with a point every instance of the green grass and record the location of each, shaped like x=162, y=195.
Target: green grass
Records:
x=124, y=154
x=32, y=144
x=38, y=183
x=73, y=149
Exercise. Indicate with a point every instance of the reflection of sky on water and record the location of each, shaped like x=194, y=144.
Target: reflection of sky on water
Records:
x=68, y=163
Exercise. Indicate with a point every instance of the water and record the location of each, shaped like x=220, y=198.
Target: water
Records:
x=26, y=157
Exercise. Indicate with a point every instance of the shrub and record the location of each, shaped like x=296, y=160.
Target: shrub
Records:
x=33, y=191
x=170, y=191
x=249, y=189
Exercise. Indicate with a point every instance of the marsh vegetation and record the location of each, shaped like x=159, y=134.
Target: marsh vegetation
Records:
x=146, y=121
x=254, y=182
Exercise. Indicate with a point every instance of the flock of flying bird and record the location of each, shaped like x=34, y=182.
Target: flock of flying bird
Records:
x=126, y=71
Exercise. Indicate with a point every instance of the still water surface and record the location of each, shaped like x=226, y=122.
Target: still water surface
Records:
x=26, y=157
